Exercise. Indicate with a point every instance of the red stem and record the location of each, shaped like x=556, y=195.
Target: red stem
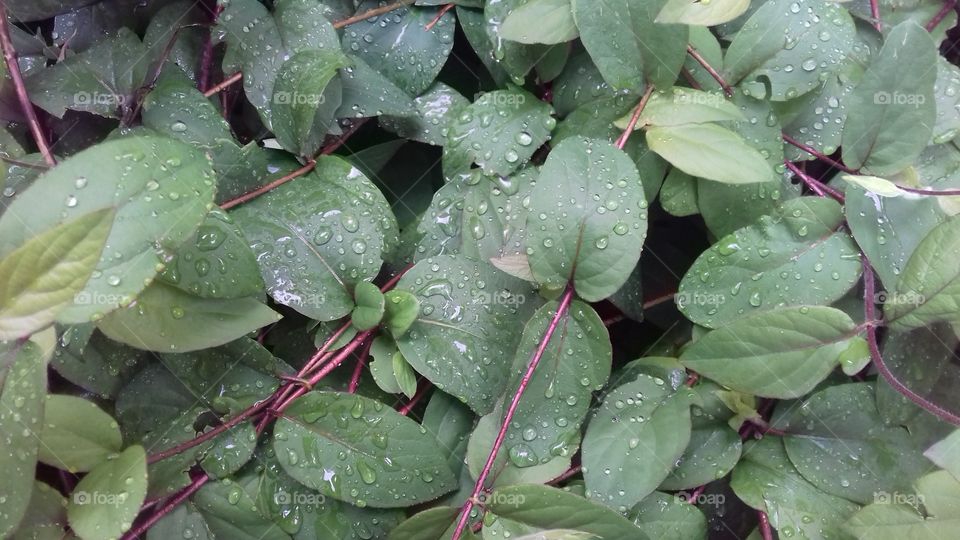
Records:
x=358, y=369
x=429, y=26
x=870, y=313
x=948, y=6
x=276, y=183
x=511, y=410
x=566, y=475
x=208, y=435
x=10, y=55
x=713, y=73
x=206, y=57
x=425, y=387
x=372, y=13
x=875, y=15
x=330, y=366
x=817, y=186
x=766, y=532
x=932, y=192
x=229, y=81
x=622, y=141
x=822, y=157
x=169, y=505
x=339, y=141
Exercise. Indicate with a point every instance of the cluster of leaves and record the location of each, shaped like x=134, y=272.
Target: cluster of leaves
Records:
x=246, y=310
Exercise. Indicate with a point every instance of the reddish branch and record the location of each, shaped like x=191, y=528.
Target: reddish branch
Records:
x=948, y=6
x=224, y=84
x=167, y=506
x=622, y=141
x=358, y=369
x=813, y=152
x=276, y=183
x=429, y=26
x=405, y=409
x=870, y=314
x=766, y=532
x=209, y=435
x=695, y=54
x=875, y=15
x=10, y=55
x=817, y=186
x=511, y=410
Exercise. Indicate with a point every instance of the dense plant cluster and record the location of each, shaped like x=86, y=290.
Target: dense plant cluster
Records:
x=525, y=269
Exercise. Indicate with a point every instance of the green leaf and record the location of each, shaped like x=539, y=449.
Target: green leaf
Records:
x=101, y=80
x=875, y=185
x=816, y=118
x=177, y=109
x=406, y=377
x=709, y=151
x=669, y=517
x=395, y=462
x=541, y=21
x=629, y=48
x=467, y=331
x=368, y=93
x=306, y=95
x=702, y=14
x=678, y=196
x=678, y=106
x=782, y=353
x=587, y=218
x=46, y=517
x=893, y=516
x=77, y=435
x=41, y=277
x=891, y=113
x=394, y=43
x=370, y=306
x=304, y=25
x=24, y=381
x=752, y=269
x=555, y=402
x=105, y=502
x=432, y=524
x=634, y=441
x=436, y=109
x=89, y=360
x=499, y=132
x=400, y=311
x=839, y=443
x=946, y=453
x=166, y=319
x=929, y=287
x=226, y=511
x=766, y=480
x=546, y=508
x=311, y=258
x=506, y=59
x=159, y=188
x=785, y=47
x=216, y=262
x=945, y=90
x=888, y=230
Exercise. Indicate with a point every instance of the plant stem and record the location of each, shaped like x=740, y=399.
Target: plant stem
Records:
x=713, y=73
x=813, y=152
x=358, y=369
x=817, y=186
x=566, y=475
x=339, y=141
x=168, y=506
x=422, y=391
x=875, y=15
x=10, y=55
x=870, y=313
x=276, y=183
x=429, y=26
x=208, y=435
x=931, y=192
x=948, y=6
x=324, y=371
x=223, y=84
x=766, y=532
x=372, y=13
x=562, y=309
x=206, y=55
x=622, y=141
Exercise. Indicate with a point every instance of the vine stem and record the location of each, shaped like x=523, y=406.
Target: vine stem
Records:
x=358, y=369
x=324, y=371
x=443, y=11
x=875, y=15
x=932, y=192
x=223, y=84
x=208, y=435
x=408, y=406
x=168, y=506
x=10, y=55
x=870, y=313
x=948, y=6
x=813, y=152
x=272, y=185
x=695, y=54
x=562, y=309
x=766, y=531
x=817, y=186
x=622, y=141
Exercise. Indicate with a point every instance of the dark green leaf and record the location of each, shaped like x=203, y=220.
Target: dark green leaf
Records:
x=77, y=435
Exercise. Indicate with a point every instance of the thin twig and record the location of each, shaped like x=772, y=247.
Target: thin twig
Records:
x=713, y=73
x=425, y=387
x=334, y=145
x=358, y=369
x=948, y=6
x=566, y=475
x=817, y=186
x=272, y=185
x=622, y=141
x=206, y=56
x=931, y=192
x=10, y=55
x=224, y=84
x=870, y=314
x=372, y=13
x=875, y=15
x=562, y=308
x=208, y=435
x=813, y=152
x=766, y=532
x=443, y=11
x=169, y=505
